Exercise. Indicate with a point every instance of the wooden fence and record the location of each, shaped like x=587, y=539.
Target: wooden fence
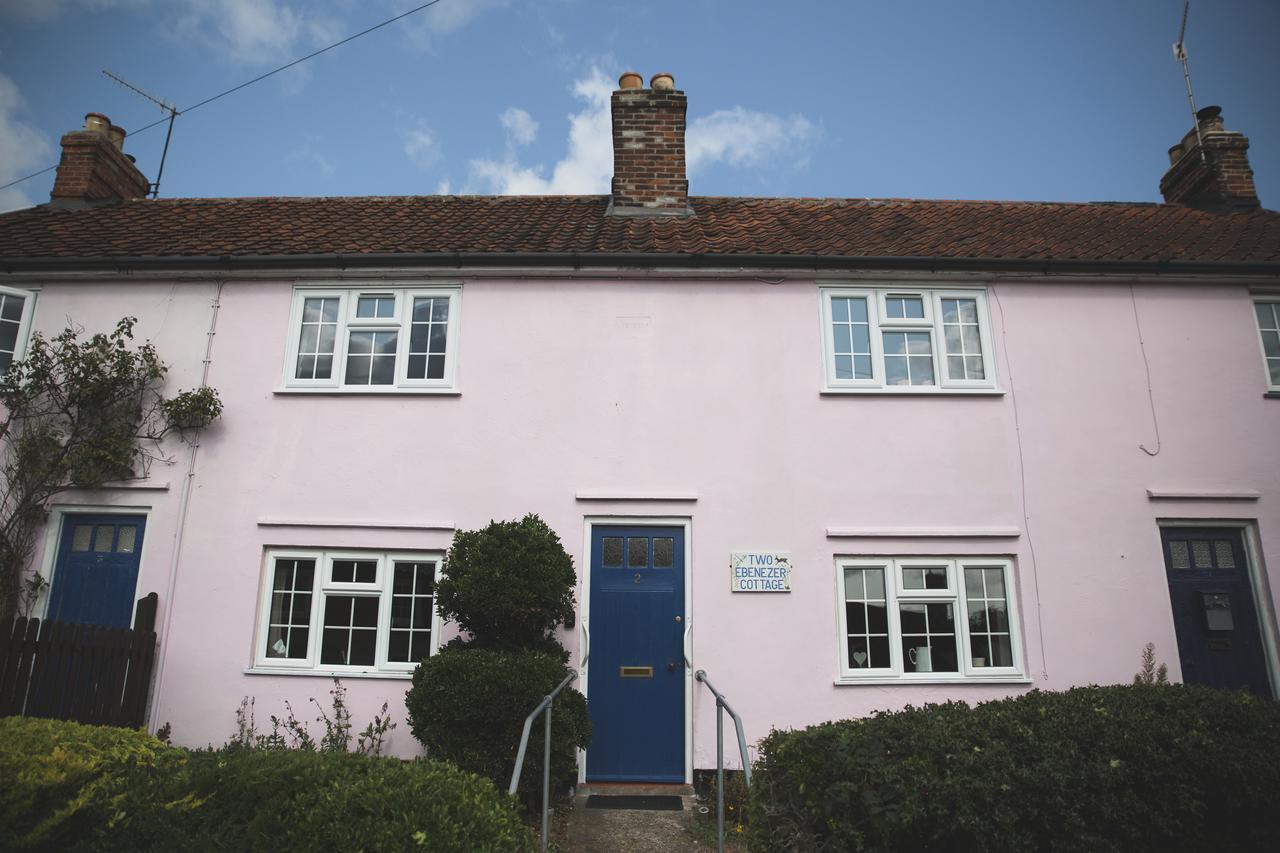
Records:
x=86, y=673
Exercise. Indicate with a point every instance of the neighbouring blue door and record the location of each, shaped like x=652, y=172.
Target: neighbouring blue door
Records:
x=1213, y=610
x=636, y=678
x=95, y=575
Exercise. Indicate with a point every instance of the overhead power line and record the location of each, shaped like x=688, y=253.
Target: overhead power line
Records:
x=257, y=79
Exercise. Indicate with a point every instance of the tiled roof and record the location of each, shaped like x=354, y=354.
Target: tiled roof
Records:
x=836, y=228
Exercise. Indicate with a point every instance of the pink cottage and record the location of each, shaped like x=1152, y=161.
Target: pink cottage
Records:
x=842, y=454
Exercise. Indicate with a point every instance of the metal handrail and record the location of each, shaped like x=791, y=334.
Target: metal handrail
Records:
x=721, y=707
x=544, y=705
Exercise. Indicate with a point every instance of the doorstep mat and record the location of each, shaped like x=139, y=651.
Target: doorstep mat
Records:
x=651, y=803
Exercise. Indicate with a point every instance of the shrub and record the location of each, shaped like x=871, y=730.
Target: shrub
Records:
x=468, y=706
x=90, y=788
x=295, y=801
x=63, y=782
x=1123, y=768
x=508, y=585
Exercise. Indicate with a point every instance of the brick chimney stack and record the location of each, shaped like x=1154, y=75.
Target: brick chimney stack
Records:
x=648, y=148
x=1212, y=172
x=94, y=169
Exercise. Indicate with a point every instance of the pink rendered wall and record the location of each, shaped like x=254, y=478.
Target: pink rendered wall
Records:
x=712, y=388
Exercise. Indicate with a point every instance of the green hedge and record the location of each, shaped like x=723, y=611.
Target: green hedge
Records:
x=1124, y=768
x=468, y=706
x=61, y=782
x=143, y=796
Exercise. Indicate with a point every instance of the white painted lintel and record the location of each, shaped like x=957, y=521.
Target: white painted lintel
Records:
x=365, y=525
x=923, y=533
x=636, y=495
x=1203, y=494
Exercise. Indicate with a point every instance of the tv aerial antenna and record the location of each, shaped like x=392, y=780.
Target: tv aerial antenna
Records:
x=1180, y=54
x=174, y=112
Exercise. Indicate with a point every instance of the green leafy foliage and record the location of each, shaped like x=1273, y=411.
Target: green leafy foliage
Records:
x=468, y=706
x=79, y=412
x=288, y=732
x=507, y=585
x=1150, y=672
x=64, y=781
x=1122, y=768
x=85, y=788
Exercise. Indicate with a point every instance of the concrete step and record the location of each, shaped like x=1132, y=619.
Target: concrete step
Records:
x=634, y=789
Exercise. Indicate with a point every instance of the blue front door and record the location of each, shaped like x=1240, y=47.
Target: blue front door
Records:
x=1213, y=610
x=95, y=576
x=636, y=678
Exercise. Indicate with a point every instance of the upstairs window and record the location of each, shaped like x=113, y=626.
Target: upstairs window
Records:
x=907, y=340
x=1269, y=329
x=16, y=308
x=370, y=340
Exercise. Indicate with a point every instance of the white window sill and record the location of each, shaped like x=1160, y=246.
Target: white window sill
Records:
x=380, y=391
x=899, y=681
x=331, y=673
x=916, y=391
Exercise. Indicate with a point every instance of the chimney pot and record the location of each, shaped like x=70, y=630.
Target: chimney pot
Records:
x=116, y=134
x=631, y=80
x=662, y=82
x=96, y=122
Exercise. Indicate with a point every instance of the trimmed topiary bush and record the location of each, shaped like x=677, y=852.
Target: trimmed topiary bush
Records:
x=468, y=706
x=508, y=585
x=1123, y=768
x=68, y=787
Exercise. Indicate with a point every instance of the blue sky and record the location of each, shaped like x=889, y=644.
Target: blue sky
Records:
x=996, y=100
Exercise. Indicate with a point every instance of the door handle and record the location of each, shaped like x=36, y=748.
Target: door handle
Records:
x=671, y=667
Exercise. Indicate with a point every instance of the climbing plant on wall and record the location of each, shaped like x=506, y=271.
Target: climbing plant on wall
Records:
x=80, y=411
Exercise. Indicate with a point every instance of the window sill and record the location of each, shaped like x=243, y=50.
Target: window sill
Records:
x=376, y=392
x=898, y=681
x=331, y=673
x=915, y=391
x=1272, y=395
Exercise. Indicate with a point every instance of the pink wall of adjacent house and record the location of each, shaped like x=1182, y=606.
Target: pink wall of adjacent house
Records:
x=711, y=389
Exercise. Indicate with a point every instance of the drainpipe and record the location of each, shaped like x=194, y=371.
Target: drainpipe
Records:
x=184, y=503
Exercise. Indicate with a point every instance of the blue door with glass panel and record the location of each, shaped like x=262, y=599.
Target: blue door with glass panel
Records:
x=1213, y=611
x=636, y=674
x=95, y=575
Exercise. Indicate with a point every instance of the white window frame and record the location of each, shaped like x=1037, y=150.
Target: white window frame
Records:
x=348, y=300
x=1272, y=299
x=880, y=322
x=895, y=594
x=24, y=324
x=323, y=587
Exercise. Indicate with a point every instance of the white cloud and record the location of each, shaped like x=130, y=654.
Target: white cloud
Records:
x=420, y=145
x=310, y=154
x=23, y=149
x=744, y=138
x=444, y=187
x=254, y=31
x=587, y=167
x=738, y=137
x=521, y=128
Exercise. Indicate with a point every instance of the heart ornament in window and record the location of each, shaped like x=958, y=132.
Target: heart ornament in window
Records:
x=860, y=658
